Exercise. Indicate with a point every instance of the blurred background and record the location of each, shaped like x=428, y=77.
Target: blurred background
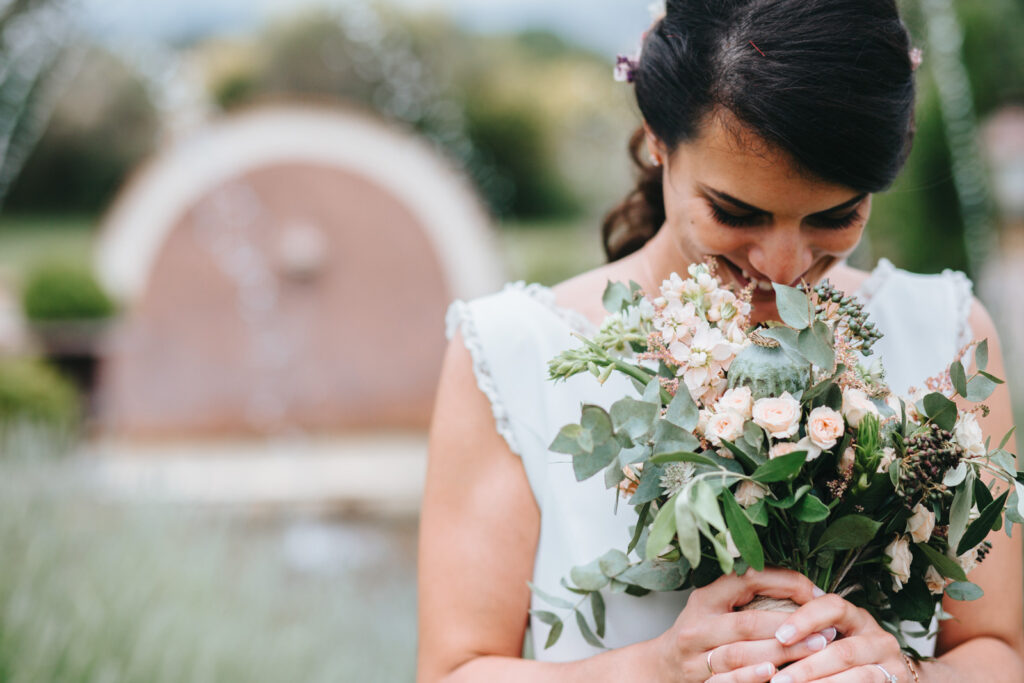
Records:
x=214, y=386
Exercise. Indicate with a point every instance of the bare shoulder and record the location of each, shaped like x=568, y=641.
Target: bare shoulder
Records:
x=583, y=292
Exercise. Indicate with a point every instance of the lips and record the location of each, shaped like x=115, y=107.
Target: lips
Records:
x=762, y=285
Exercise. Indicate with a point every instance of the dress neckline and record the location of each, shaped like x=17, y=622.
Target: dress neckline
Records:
x=583, y=325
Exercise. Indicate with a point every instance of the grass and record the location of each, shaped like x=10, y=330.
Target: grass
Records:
x=96, y=590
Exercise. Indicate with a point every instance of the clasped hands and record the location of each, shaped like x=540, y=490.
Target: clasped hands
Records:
x=826, y=640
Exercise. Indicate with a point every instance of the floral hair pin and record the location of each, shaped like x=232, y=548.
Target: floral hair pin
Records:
x=916, y=57
x=626, y=65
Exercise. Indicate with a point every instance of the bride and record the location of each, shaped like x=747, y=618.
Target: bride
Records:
x=768, y=125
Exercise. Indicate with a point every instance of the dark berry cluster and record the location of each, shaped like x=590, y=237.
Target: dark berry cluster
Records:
x=850, y=311
x=929, y=455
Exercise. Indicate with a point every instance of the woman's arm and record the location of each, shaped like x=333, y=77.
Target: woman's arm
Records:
x=985, y=640
x=478, y=537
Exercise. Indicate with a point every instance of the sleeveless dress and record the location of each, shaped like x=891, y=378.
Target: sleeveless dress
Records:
x=512, y=334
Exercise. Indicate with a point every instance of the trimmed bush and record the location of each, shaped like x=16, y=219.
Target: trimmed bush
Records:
x=32, y=391
x=58, y=291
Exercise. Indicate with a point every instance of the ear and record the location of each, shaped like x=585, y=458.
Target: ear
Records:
x=655, y=149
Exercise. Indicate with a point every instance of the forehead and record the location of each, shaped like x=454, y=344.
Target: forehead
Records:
x=731, y=158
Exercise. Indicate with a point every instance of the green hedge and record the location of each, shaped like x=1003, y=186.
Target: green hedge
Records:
x=59, y=291
x=31, y=390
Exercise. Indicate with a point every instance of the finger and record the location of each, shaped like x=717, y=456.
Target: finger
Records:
x=720, y=629
x=759, y=673
x=829, y=611
x=731, y=591
x=842, y=655
x=861, y=674
x=735, y=656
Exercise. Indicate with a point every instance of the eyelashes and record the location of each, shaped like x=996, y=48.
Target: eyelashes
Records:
x=754, y=219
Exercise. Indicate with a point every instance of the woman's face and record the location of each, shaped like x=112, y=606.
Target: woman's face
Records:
x=734, y=197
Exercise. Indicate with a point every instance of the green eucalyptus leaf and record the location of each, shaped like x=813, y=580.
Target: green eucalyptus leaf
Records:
x=815, y=344
x=588, y=577
x=652, y=393
x=794, y=307
x=548, y=618
x=588, y=635
x=663, y=529
x=964, y=590
x=554, y=634
x=598, y=609
x=981, y=355
x=725, y=559
x=748, y=461
x=705, y=505
x=616, y=297
x=618, y=587
x=753, y=435
x=682, y=411
x=981, y=527
x=689, y=535
x=811, y=510
x=633, y=417
x=613, y=563
x=655, y=575
x=955, y=475
x=666, y=458
x=669, y=438
x=613, y=474
x=946, y=566
x=959, y=377
x=940, y=410
x=743, y=533
x=790, y=500
x=959, y=512
x=980, y=388
x=649, y=487
x=782, y=468
x=568, y=440
x=851, y=531
x=1006, y=437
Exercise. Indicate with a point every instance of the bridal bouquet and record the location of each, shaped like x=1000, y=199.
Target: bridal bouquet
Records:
x=776, y=445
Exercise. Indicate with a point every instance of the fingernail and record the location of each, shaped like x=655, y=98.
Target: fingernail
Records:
x=785, y=634
x=817, y=592
x=830, y=633
x=766, y=669
x=782, y=678
x=816, y=642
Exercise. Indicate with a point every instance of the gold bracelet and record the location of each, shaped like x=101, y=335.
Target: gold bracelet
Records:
x=910, y=666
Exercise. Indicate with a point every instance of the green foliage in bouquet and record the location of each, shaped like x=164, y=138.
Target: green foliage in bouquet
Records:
x=787, y=452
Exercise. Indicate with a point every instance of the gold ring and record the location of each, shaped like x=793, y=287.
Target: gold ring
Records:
x=711, y=669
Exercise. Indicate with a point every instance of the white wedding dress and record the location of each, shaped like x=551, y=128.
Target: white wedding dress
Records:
x=512, y=334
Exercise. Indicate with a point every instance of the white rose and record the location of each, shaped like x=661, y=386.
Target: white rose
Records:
x=847, y=461
x=738, y=400
x=725, y=425
x=968, y=434
x=888, y=455
x=900, y=558
x=921, y=524
x=782, y=448
x=824, y=427
x=935, y=581
x=748, y=493
x=780, y=417
x=856, y=405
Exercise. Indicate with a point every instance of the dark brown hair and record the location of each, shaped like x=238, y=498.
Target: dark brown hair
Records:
x=830, y=82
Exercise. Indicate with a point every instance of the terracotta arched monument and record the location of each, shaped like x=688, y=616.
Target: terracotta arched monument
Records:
x=286, y=270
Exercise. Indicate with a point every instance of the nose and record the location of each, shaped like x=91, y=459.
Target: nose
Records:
x=782, y=253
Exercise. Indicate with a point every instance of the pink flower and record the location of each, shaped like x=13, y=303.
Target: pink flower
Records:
x=780, y=416
x=856, y=405
x=824, y=427
x=782, y=448
x=739, y=400
x=724, y=425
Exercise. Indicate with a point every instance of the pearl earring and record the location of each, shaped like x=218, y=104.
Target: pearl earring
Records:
x=656, y=160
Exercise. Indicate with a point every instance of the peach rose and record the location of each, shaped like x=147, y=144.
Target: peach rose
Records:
x=780, y=417
x=824, y=427
x=898, y=553
x=724, y=425
x=921, y=524
x=738, y=400
x=782, y=448
x=748, y=493
x=856, y=405
x=935, y=581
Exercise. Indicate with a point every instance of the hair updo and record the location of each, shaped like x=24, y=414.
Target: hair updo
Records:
x=830, y=82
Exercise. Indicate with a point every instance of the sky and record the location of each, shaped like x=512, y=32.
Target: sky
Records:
x=607, y=26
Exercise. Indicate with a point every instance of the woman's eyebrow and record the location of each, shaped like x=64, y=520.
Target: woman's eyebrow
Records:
x=722, y=196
